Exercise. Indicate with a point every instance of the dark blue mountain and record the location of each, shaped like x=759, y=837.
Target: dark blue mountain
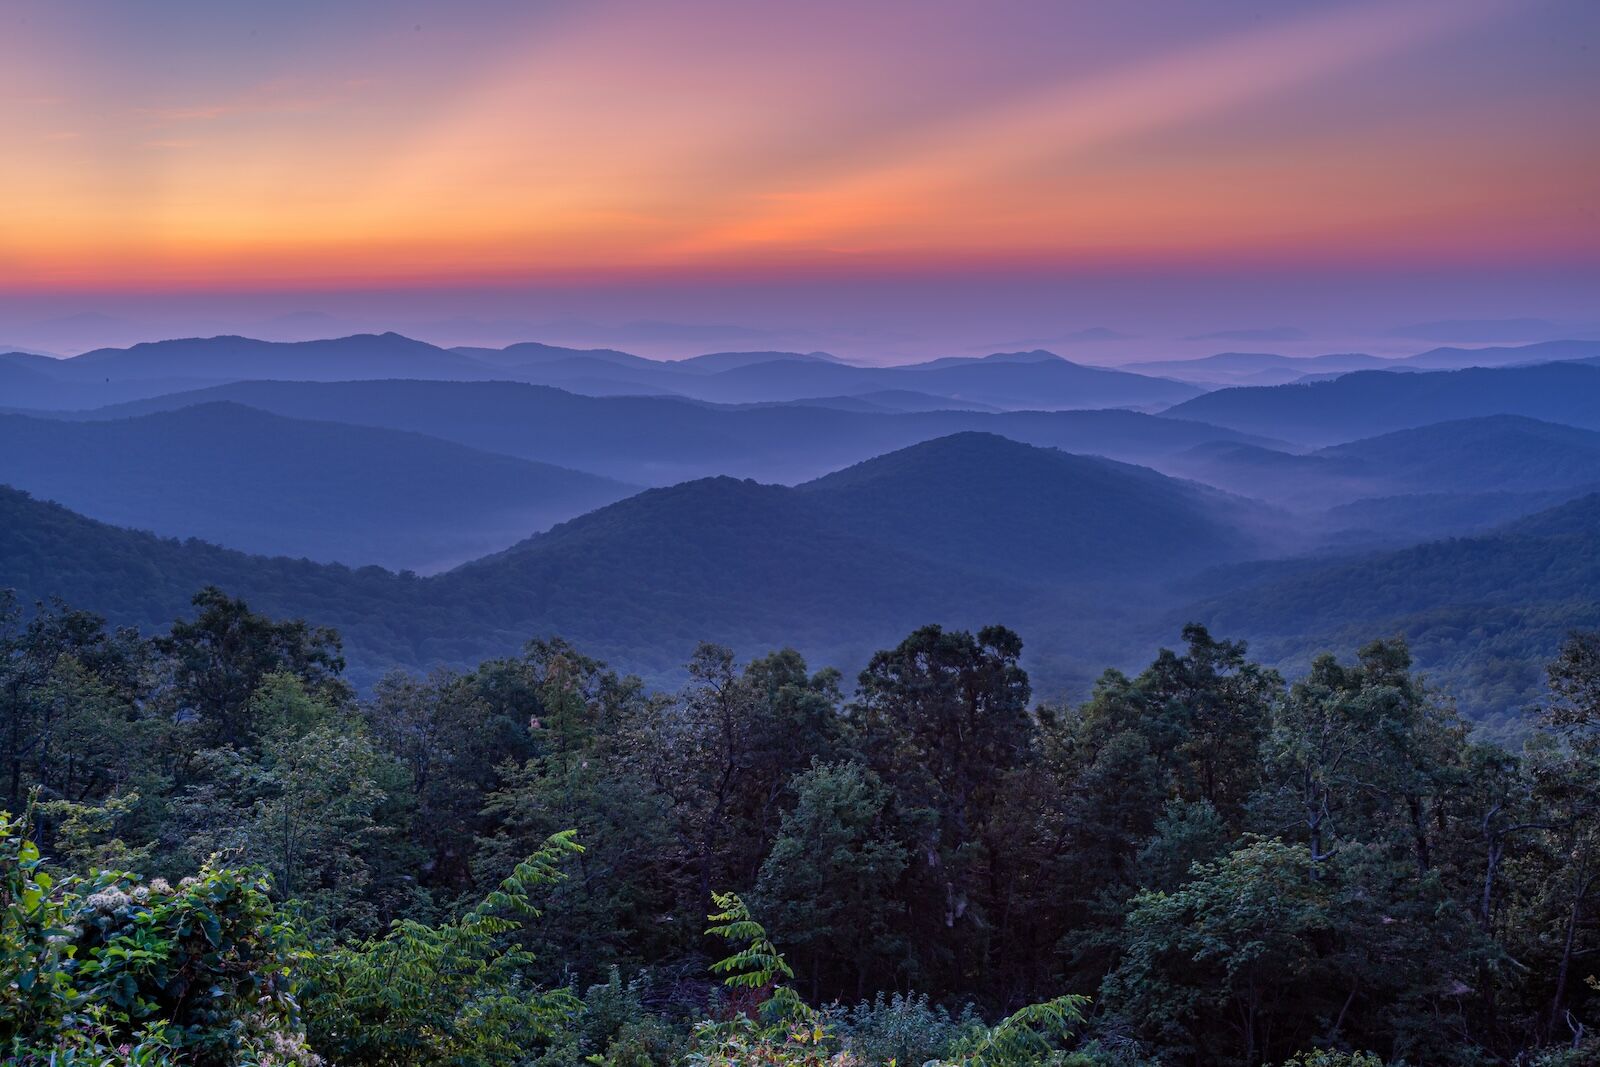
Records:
x=1367, y=403
x=1494, y=453
x=278, y=486
x=828, y=567
x=387, y=355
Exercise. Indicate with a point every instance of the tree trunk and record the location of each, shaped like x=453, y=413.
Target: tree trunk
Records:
x=1564, y=970
x=1419, y=834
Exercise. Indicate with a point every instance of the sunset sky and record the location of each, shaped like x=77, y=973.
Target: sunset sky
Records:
x=874, y=174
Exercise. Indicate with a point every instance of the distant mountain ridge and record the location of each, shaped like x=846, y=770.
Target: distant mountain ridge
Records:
x=1492, y=453
x=1034, y=379
x=1367, y=403
x=533, y=352
x=961, y=530
x=1037, y=355
x=1259, y=368
x=1008, y=380
x=268, y=484
x=657, y=441
x=1268, y=368
x=1454, y=358
x=831, y=565
x=215, y=358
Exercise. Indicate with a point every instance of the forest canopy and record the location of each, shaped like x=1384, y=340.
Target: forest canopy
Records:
x=220, y=851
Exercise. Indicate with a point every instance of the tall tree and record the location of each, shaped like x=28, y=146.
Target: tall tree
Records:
x=827, y=887
x=943, y=718
x=1569, y=784
x=220, y=658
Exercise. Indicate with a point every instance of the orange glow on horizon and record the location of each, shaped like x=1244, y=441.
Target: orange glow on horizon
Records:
x=582, y=145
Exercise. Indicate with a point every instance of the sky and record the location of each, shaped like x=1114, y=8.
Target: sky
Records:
x=888, y=180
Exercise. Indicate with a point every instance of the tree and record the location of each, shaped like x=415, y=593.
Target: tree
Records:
x=1217, y=706
x=451, y=993
x=1574, y=677
x=69, y=704
x=456, y=734
x=1252, y=959
x=1213, y=966
x=943, y=715
x=1569, y=786
x=721, y=755
x=827, y=887
x=304, y=805
x=1187, y=833
x=603, y=914
x=943, y=719
x=1354, y=745
x=794, y=722
x=220, y=658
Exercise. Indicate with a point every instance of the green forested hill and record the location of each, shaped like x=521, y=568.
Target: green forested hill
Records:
x=720, y=559
x=138, y=579
x=1480, y=613
x=1491, y=452
x=643, y=581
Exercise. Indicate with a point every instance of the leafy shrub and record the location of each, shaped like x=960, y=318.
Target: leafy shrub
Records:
x=452, y=993
x=904, y=1029
x=1326, y=1058
x=1030, y=1037
x=762, y=1021
x=623, y=1032
x=110, y=969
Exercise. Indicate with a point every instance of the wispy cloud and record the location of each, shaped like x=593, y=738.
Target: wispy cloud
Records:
x=188, y=114
x=1189, y=83
x=276, y=97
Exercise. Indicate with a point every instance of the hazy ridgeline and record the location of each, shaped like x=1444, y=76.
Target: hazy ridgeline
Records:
x=1239, y=851
x=1291, y=514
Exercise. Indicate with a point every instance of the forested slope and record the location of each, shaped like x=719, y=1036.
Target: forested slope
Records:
x=1482, y=613
x=266, y=484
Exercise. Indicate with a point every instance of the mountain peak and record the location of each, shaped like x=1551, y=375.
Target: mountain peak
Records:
x=1035, y=355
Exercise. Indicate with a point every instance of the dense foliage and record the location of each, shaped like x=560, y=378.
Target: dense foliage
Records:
x=1199, y=864
x=1482, y=612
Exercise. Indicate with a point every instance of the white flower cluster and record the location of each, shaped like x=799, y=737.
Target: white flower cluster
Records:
x=67, y=935
x=108, y=901
x=280, y=1049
